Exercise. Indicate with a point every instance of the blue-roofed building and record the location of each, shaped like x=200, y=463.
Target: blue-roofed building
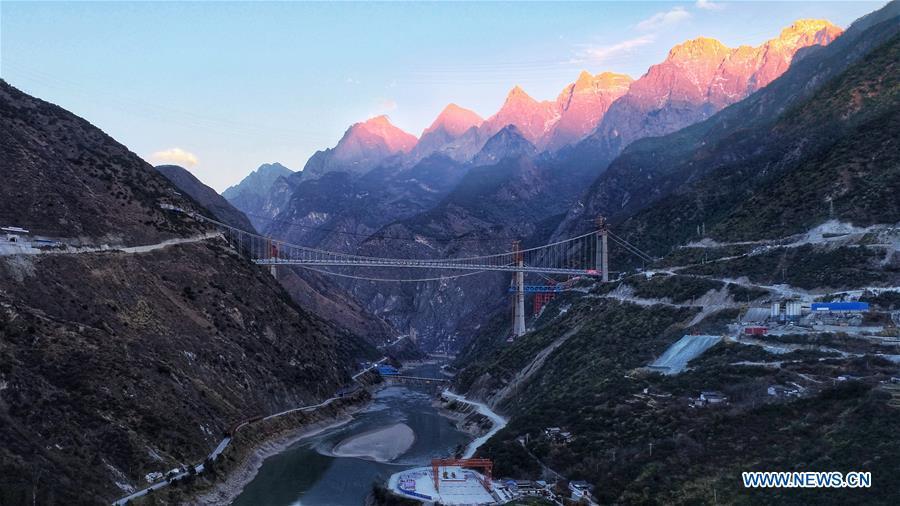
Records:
x=840, y=307
x=387, y=370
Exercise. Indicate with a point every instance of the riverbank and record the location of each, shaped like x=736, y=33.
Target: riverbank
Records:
x=272, y=436
x=224, y=478
x=474, y=415
x=227, y=491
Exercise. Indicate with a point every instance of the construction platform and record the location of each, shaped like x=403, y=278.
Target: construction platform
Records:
x=457, y=486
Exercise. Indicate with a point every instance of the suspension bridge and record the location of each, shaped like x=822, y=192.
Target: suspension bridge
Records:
x=584, y=255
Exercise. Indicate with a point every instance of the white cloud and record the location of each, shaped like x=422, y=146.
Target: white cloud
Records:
x=601, y=53
x=663, y=19
x=176, y=156
x=708, y=5
x=385, y=105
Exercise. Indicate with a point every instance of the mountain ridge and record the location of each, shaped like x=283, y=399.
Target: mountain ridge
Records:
x=697, y=78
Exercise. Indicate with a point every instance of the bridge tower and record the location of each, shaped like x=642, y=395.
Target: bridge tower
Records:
x=273, y=254
x=602, y=249
x=519, y=292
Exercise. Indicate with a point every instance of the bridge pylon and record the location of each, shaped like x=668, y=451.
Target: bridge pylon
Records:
x=602, y=248
x=518, y=293
x=272, y=250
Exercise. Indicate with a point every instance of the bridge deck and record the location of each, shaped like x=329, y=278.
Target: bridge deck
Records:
x=427, y=264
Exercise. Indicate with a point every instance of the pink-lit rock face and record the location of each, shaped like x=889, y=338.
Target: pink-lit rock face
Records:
x=363, y=146
x=375, y=138
x=454, y=120
x=700, y=77
x=533, y=119
x=453, y=133
x=582, y=105
x=776, y=55
x=697, y=78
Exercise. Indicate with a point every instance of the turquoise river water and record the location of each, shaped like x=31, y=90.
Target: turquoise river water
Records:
x=308, y=474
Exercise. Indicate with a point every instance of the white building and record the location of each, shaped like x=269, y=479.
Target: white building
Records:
x=14, y=234
x=783, y=391
x=580, y=489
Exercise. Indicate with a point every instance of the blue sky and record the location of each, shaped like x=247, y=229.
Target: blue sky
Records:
x=235, y=85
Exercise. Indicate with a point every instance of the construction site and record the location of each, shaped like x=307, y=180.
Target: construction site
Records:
x=451, y=481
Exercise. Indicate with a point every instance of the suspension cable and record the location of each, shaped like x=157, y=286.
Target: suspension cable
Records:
x=280, y=243
x=631, y=247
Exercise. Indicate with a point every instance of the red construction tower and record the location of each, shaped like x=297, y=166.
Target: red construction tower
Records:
x=486, y=464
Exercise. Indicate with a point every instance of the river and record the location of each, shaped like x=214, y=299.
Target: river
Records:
x=309, y=474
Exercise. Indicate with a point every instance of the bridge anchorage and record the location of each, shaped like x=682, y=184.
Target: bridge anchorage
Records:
x=583, y=256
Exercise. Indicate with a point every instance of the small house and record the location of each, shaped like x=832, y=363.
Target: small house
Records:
x=153, y=477
x=580, y=488
x=13, y=234
x=783, y=391
x=713, y=397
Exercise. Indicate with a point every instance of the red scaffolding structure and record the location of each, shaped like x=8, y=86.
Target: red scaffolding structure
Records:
x=486, y=464
x=540, y=300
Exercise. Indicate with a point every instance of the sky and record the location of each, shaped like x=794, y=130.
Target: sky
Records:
x=223, y=87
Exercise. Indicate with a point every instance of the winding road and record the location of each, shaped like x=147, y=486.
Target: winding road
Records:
x=199, y=468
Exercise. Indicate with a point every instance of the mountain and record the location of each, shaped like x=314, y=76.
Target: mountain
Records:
x=205, y=196
x=768, y=150
x=460, y=133
x=508, y=142
x=76, y=193
x=533, y=119
x=98, y=342
x=454, y=133
x=512, y=196
x=340, y=209
x=257, y=195
x=575, y=113
x=258, y=182
x=363, y=146
x=584, y=369
x=833, y=157
x=794, y=186
x=608, y=111
x=311, y=290
x=698, y=78
x=582, y=105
